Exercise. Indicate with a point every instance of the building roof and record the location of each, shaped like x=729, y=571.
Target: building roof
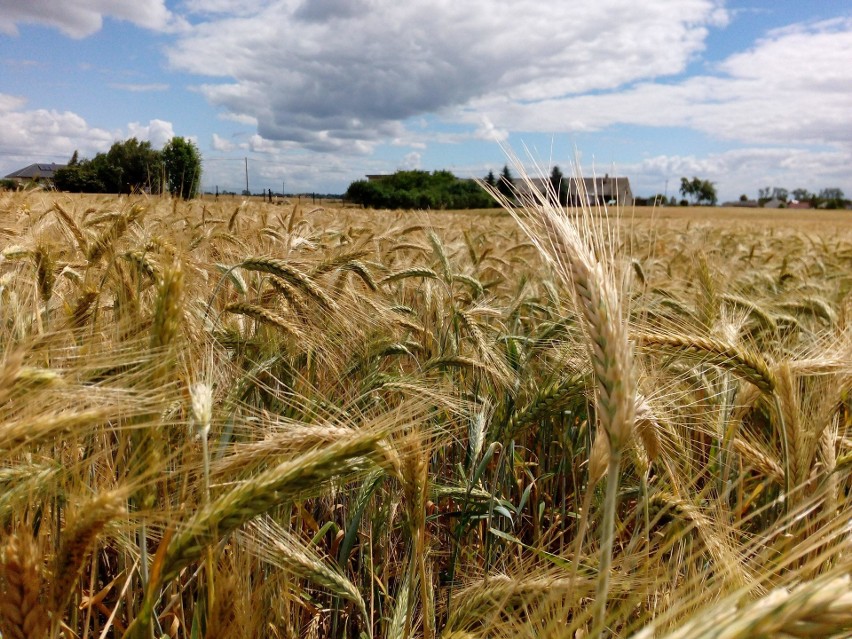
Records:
x=588, y=188
x=601, y=186
x=36, y=171
x=796, y=204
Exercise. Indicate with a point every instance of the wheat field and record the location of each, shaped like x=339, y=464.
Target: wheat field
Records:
x=239, y=419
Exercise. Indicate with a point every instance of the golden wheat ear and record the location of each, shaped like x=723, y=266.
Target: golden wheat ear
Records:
x=22, y=615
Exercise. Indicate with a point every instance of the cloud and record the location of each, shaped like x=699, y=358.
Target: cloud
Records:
x=225, y=7
x=82, y=18
x=411, y=161
x=41, y=135
x=158, y=132
x=139, y=88
x=343, y=76
x=300, y=171
x=790, y=87
x=221, y=144
x=743, y=170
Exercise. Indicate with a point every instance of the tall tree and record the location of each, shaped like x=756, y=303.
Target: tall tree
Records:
x=780, y=192
x=506, y=184
x=701, y=191
x=557, y=183
x=688, y=188
x=707, y=193
x=490, y=180
x=801, y=194
x=131, y=166
x=831, y=194
x=128, y=166
x=182, y=162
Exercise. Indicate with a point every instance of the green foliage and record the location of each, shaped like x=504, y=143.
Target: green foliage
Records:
x=182, y=162
x=419, y=190
x=802, y=195
x=701, y=191
x=557, y=183
x=506, y=183
x=127, y=167
x=831, y=198
x=8, y=185
x=79, y=178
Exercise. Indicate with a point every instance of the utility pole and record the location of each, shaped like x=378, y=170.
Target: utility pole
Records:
x=247, y=188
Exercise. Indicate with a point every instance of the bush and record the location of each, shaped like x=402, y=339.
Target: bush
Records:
x=419, y=190
x=182, y=162
x=127, y=167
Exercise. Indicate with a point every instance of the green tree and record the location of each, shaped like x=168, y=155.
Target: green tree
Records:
x=490, y=180
x=78, y=176
x=780, y=192
x=419, y=190
x=557, y=183
x=707, y=193
x=506, y=183
x=801, y=195
x=131, y=166
x=831, y=198
x=182, y=163
x=127, y=167
x=689, y=188
x=700, y=191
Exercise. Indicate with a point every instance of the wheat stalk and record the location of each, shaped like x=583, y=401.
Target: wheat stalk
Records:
x=248, y=499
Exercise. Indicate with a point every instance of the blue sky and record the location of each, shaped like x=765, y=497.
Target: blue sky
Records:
x=317, y=93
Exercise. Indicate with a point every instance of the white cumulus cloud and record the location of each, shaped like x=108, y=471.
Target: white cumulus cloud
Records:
x=157, y=132
x=744, y=170
x=790, y=87
x=81, y=18
x=48, y=135
x=342, y=75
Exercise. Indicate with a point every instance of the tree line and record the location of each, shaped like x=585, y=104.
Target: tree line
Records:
x=419, y=190
x=132, y=166
x=828, y=198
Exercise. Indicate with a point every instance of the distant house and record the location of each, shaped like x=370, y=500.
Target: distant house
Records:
x=798, y=204
x=587, y=190
x=35, y=173
x=600, y=190
x=775, y=203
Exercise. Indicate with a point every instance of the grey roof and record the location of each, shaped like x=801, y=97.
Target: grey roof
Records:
x=587, y=188
x=603, y=186
x=36, y=171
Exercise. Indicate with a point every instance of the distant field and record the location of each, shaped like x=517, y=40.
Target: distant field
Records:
x=240, y=419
